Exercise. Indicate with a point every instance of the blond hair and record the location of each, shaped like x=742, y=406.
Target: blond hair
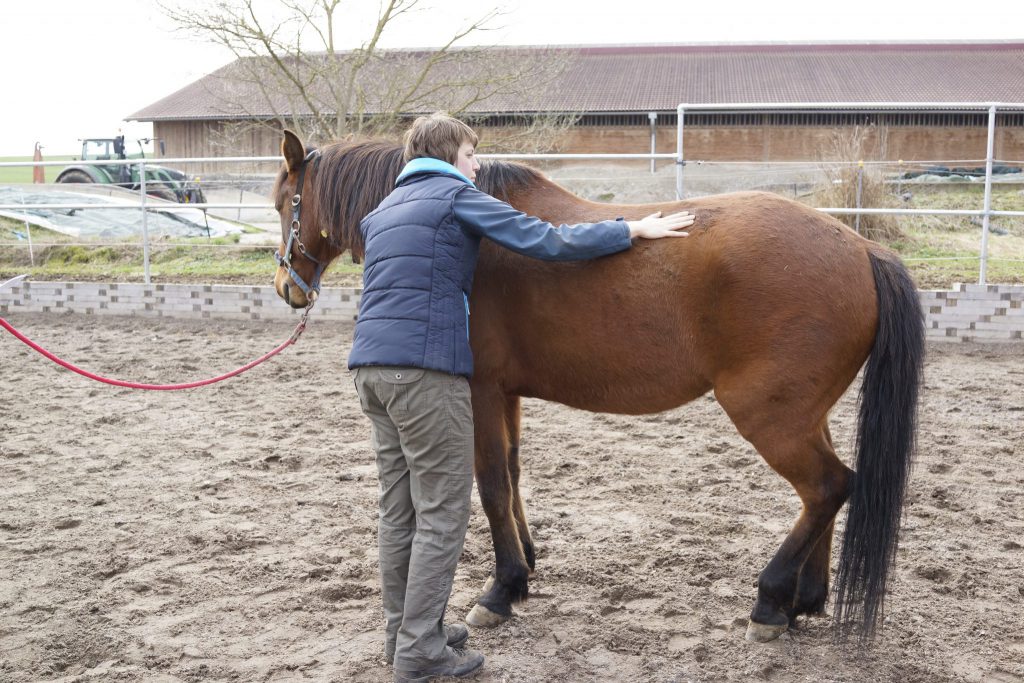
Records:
x=438, y=136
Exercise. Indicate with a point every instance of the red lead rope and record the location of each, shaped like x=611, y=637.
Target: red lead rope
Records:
x=158, y=387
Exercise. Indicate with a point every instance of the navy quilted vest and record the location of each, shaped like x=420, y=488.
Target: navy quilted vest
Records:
x=417, y=276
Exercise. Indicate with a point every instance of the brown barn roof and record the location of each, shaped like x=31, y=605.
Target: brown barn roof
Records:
x=641, y=78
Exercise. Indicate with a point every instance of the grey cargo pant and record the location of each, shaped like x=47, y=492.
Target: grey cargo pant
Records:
x=422, y=432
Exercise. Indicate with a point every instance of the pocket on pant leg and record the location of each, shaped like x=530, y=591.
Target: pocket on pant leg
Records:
x=459, y=407
x=461, y=446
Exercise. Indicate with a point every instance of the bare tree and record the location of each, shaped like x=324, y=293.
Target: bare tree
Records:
x=290, y=71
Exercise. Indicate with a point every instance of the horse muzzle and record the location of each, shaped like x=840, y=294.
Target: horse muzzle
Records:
x=293, y=294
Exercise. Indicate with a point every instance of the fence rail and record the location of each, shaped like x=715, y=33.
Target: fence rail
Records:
x=985, y=212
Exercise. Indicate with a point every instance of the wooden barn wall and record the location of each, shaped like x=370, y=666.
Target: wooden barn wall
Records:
x=729, y=143
x=197, y=139
x=800, y=143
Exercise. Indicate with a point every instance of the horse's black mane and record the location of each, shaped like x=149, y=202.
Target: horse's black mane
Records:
x=502, y=178
x=353, y=178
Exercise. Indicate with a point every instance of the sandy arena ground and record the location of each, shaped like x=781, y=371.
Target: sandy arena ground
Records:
x=228, y=533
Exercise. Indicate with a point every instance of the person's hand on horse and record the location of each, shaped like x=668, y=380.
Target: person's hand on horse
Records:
x=655, y=226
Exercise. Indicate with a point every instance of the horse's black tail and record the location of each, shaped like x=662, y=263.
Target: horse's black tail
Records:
x=885, y=444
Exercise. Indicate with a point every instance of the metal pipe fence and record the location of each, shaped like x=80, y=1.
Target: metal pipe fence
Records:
x=990, y=107
x=985, y=212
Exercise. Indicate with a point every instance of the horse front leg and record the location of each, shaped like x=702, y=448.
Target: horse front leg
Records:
x=491, y=410
x=518, y=509
x=512, y=421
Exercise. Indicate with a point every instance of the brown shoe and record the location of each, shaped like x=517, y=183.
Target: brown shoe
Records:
x=457, y=663
x=456, y=635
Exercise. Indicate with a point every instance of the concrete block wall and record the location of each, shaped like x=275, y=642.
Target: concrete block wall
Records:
x=980, y=313
x=242, y=302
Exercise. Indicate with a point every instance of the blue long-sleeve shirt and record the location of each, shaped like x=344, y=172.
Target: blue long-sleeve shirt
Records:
x=492, y=218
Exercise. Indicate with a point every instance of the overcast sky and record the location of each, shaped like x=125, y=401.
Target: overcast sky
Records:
x=76, y=68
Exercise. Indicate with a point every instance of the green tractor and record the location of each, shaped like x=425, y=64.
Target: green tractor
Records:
x=161, y=182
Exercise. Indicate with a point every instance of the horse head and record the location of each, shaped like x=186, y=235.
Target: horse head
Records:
x=321, y=196
x=305, y=250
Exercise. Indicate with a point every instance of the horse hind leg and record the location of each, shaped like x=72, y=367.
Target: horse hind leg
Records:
x=813, y=585
x=800, y=451
x=796, y=578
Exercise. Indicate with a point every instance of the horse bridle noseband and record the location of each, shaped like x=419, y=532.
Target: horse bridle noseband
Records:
x=310, y=290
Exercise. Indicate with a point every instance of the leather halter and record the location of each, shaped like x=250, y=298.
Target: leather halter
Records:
x=311, y=290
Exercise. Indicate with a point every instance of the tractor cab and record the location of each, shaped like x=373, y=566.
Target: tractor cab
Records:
x=101, y=149
x=161, y=182
x=105, y=149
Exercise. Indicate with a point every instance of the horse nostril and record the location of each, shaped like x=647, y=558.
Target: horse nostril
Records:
x=287, y=299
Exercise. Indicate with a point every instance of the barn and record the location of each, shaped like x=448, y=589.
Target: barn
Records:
x=623, y=98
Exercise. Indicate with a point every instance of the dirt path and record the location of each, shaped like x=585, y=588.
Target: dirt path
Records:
x=228, y=533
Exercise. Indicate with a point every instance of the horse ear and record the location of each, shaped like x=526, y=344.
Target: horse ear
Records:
x=292, y=150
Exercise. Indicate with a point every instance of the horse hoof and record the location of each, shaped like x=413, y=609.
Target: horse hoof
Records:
x=484, y=618
x=488, y=583
x=764, y=633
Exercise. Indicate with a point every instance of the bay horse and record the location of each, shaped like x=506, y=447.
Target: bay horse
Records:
x=769, y=303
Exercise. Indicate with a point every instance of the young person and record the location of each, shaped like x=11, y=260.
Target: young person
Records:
x=412, y=362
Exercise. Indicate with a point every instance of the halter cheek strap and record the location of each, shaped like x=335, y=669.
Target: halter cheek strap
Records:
x=285, y=261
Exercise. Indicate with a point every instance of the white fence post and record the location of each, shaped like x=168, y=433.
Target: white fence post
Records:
x=28, y=234
x=680, y=112
x=989, y=153
x=860, y=190
x=145, y=221
x=653, y=118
